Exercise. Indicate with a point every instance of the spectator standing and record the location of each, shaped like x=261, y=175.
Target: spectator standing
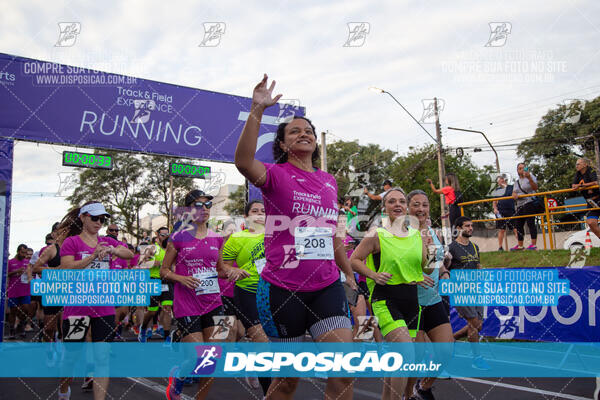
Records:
x=526, y=183
x=585, y=178
x=504, y=209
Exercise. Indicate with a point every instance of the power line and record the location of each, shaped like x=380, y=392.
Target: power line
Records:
x=501, y=112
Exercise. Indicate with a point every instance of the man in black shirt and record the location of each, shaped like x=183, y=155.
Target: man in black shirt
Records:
x=585, y=177
x=465, y=255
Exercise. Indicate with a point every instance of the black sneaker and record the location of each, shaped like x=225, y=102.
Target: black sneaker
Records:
x=500, y=249
x=88, y=384
x=425, y=394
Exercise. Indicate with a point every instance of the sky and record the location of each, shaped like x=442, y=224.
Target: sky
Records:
x=415, y=50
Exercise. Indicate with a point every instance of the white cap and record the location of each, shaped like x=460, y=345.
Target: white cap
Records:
x=93, y=209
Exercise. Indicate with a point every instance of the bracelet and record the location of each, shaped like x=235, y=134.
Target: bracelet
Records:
x=445, y=272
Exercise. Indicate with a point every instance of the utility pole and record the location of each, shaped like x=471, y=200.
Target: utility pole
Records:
x=597, y=151
x=323, y=152
x=441, y=173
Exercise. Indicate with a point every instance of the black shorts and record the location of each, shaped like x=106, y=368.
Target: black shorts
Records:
x=228, y=305
x=433, y=316
x=163, y=299
x=287, y=315
x=396, y=306
x=75, y=328
x=245, y=307
x=36, y=298
x=197, y=323
x=506, y=223
x=592, y=214
x=52, y=310
x=363, y=289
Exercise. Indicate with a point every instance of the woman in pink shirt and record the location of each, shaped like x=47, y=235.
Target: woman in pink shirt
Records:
x=193, y=262
x=299, y=289
x=85, y=249
x=17, y=291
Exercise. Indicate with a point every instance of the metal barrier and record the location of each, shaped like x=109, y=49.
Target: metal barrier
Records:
x=546, y=217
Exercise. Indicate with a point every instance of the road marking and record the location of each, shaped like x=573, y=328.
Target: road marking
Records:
x=157, y=387
x=485, y=382
x=161, y=389
x=524, y=389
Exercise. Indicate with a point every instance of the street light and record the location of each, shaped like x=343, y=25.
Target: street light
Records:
x=378, y=90
x=486, y=139
x=440, y=157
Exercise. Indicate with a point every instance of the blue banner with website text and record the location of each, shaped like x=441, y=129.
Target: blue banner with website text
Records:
x=574, y=319
x=219, y=359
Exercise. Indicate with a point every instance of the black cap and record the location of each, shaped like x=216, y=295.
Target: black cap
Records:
x=195, y=194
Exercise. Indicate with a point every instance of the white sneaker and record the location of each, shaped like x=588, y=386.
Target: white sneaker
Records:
x=252, y=381
x=64, y=396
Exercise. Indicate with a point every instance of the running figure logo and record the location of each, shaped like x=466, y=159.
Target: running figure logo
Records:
x=572, y=112
x=357, y=34
x=366, y=327
x=290, y=261
x=77, y=328
x=223, y=325
x=287, y=110
x=207, y=359
x=428, y=116
x=499, y=32
x=142, y=110
x=68, y=33
x=508, y=326
x=212, y=34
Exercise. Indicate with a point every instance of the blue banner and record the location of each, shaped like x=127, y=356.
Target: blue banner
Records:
x=56, y=103
x=220, y=359
x=574, y=319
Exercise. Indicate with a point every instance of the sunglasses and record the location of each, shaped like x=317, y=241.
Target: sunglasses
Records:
x=112, y=230
x=207, y=204
x=96, y=218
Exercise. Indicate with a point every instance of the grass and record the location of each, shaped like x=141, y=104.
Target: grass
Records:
x=531, y=259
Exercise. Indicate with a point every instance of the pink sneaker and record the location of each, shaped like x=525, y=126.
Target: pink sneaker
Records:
x=516, y=248
x=532, y=247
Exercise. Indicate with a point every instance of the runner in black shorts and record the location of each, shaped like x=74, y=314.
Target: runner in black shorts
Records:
x=152, y=258
x=84, y=249
x=299, y=288
x=50, y=258
x=396, y=256
x=193, y=263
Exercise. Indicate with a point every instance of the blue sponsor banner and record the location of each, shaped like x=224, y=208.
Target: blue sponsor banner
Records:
x=95, y=287
x=504, y=287
x=219, y=359
x=574, y=319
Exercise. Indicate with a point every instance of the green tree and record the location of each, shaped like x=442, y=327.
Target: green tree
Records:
x=159, y=180
x=553, y=150
x=345, y=158
x=237, y=202
x=411, y=170
x=123, y=190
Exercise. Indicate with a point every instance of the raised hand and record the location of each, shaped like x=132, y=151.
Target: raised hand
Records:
x=263, y=96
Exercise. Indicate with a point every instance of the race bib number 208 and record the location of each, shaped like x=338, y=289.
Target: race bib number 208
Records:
x=313, y=243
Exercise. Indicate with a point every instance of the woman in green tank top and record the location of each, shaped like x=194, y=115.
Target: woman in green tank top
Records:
x=393, y=259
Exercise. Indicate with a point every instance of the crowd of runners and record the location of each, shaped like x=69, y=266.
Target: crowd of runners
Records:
x=294, y=273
